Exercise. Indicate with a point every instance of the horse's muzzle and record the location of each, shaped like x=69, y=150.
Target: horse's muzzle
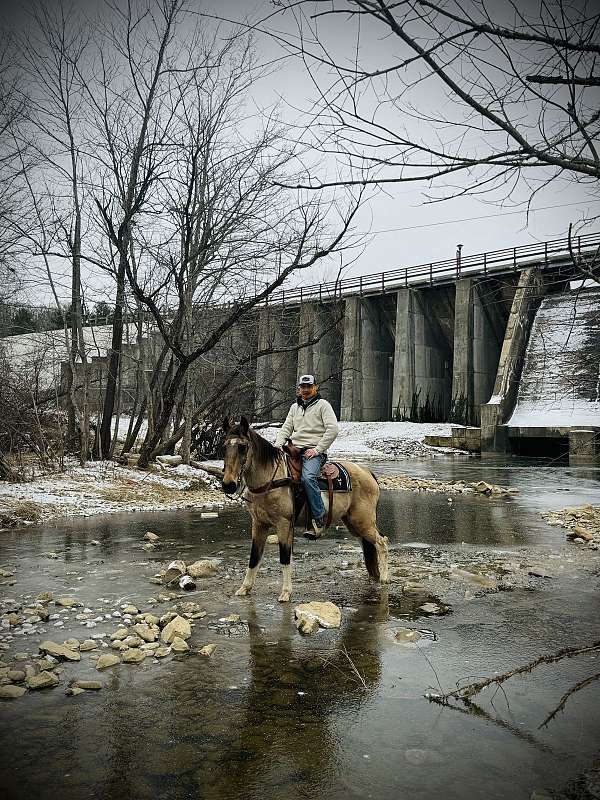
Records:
x=229, y=487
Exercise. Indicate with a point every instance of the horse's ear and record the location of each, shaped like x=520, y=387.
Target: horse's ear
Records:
x=226, y=424
x=244, y=425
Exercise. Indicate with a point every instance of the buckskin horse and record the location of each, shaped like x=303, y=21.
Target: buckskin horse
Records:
x=253, y=462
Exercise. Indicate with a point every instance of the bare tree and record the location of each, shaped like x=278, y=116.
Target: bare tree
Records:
x=51, y=55
x=230, y=233
x=11, y=113
x=129, y=99
x=466, y=96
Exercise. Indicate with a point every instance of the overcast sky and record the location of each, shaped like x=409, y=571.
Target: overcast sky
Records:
x=400, y=227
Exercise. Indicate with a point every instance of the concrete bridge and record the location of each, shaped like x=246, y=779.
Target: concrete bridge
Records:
x=435, y=342
x=441, y=341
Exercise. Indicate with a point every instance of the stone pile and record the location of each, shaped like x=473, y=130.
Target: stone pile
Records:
x=139, y=636
x=407, y=448
x=582, y=524
x=409, y=483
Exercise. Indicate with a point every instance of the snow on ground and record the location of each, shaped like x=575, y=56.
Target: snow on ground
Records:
x=104, y=487
x=376, y=440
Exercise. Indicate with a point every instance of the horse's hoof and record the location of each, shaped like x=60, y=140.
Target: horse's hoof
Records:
x=243, y=591
x=284, y=597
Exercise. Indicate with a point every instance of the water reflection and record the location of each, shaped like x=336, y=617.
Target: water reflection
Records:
x=429, y=517
x=296, y=686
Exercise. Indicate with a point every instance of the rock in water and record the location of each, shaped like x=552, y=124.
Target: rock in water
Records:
x=207, y=650
x=180, y=645
x=187, y=583
x=73, y=691
x=430, y=608
x=175, y=570
x=107, y=660
x=151, y=537
x=59, y=651
x=44, y=680
x=133, y=656
x=272, y=538
x=88, y=644
x=203, y=568
x=67, y=602
x=177, y=627
x=407, y=635
x=581, y=533
x=87, y=684
x=328, y=614
x=11, y=692
x=149, y=633
x=307, y=625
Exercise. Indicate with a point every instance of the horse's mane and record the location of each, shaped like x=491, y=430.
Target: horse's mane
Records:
x=265, y=453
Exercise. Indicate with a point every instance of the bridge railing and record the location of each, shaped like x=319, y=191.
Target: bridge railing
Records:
x=510, y=259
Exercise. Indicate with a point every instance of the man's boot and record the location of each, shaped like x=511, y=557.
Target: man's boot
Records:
x=319, y=528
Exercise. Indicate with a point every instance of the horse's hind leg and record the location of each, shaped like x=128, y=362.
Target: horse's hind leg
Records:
x=259, y=537
x=375, y=546
x=285, y=533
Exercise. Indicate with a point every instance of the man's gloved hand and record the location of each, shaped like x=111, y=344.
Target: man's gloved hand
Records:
x=310, y=453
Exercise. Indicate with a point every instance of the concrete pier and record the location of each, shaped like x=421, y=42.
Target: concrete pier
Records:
x=422, y=355
x=478, y=335
x=276, y=372
x=367, y=360
x=323, y=358
x=582, y=446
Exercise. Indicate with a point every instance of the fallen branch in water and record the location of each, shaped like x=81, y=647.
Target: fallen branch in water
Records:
x=466, y=692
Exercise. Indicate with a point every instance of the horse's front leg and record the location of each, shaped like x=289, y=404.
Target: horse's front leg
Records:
x=285, y=534
x=259, y=537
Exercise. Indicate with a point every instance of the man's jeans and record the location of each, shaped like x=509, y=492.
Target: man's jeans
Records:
x=311, y=467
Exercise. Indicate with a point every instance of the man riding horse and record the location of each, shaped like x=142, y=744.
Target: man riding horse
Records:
x=312, y=427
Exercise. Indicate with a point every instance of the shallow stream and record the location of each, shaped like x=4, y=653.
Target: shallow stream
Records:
x=340, y=714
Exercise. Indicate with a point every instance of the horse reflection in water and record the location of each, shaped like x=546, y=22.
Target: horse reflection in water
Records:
x=286, y=743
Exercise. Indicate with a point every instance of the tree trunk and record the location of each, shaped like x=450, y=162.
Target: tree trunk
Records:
x=188, y=412
x=115, y=356
x=162, y=422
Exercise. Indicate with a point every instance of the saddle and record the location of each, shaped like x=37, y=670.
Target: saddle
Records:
x=333, y=478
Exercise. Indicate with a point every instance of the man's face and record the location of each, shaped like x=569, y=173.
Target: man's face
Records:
x=307, y=390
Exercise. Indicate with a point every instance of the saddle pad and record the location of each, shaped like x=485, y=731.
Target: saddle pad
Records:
x=342, y=483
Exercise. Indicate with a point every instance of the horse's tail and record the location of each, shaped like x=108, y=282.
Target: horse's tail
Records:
x=371, y=560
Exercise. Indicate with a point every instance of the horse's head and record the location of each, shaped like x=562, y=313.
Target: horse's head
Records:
x=237, y=445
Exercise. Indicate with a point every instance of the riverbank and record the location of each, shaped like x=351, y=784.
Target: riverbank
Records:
x=106, y=487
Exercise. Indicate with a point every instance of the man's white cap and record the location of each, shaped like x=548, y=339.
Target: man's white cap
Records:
x=310, y=379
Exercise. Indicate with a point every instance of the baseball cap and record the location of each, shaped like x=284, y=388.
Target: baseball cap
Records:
x=310, y=379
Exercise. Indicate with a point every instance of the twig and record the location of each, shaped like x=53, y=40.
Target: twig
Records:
x=563, y=700
x=354, y=668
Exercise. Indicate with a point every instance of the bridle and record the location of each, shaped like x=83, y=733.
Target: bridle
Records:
x=241, y=480
x=265, y=487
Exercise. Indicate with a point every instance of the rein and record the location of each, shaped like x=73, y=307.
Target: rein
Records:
x=272, y=484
